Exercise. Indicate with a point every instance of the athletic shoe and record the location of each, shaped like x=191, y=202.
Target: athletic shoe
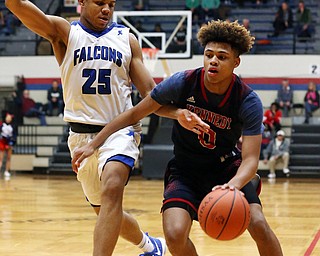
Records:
x=159, y=247
x=7, y=174
x=271, y=175
x=286, y=170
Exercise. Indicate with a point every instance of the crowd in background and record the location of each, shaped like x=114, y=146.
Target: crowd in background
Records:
x=275, y=146
x=300, y=20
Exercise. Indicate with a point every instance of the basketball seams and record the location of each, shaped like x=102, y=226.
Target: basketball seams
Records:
x=231, y=208
x=245, y=214
x=208, y=213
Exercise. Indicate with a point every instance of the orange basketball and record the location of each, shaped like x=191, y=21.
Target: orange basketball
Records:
x=224, y=214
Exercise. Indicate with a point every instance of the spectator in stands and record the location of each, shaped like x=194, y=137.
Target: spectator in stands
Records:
x=138, y=26
x=17, y=97
x=194, y=7
x=311, y=101
x=285, y=98
x=2, y=21
x=11, y=22
x=272, y=118
x=224, y=10
x=259, y=2
x=7, y=141
x=30, y=108
x=157, y=40
x=266, y=138
x=179, y=42
x=55, y=99
x=277, y=151
x=209, y=9
x=246, y=23
x=304, y=21
x=283, y=19
x=140, y=5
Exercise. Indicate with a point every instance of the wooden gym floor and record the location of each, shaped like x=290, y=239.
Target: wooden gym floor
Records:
x=48, y=215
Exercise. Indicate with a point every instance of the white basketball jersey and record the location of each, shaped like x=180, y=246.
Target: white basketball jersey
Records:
x=95, y=74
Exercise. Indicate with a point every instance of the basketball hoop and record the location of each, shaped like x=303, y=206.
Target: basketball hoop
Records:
x=150, y=57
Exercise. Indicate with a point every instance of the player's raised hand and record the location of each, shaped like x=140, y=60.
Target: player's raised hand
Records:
x=79, y=155
x=192, y=122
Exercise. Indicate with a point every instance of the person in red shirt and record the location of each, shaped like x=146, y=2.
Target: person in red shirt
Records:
x=30, y=108
x=272, y=118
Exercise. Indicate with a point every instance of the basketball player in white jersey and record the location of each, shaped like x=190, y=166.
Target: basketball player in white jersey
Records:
x=97, y=59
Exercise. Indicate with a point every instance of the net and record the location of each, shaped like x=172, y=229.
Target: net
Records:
x=150, y=58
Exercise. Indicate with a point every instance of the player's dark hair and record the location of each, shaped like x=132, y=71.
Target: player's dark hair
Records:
x=228, y=32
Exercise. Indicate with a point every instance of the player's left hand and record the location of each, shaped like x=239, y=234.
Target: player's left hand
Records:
x=226, y=186
x=79, y=155
x=192, y=122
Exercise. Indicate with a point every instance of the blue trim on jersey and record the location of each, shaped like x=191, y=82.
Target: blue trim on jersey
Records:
x=95, y=33
x=251, y=112
x=130, y=133
x=123, y=159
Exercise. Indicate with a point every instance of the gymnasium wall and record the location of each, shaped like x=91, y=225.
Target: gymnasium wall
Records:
x=262, y=72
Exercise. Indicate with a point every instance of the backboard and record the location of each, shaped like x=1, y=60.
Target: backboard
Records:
x=170, y=21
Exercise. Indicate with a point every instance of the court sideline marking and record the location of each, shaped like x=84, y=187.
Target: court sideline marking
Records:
x=313, y=244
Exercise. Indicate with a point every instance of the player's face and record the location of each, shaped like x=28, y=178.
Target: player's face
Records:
x=96, y=14
x=219, y=62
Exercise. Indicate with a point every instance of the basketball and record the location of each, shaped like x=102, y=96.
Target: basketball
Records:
x=224, y=214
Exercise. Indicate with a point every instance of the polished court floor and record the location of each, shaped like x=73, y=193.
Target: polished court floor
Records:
x=48, y=215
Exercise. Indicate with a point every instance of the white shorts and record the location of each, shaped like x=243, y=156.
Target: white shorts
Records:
x=124, y=142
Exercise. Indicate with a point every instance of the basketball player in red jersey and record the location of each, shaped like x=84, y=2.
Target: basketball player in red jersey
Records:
x=97, y=59
x=206, y=156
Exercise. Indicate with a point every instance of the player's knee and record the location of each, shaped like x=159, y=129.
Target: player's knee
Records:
x=112, y=187
x=176, y=238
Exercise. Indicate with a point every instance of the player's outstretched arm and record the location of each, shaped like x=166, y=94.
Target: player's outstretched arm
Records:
x=147, y=106
x=129, y=117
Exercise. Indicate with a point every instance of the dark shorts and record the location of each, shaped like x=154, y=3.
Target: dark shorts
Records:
x=186, y=191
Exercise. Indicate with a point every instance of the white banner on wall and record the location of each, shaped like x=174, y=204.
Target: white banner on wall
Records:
x=315, y=69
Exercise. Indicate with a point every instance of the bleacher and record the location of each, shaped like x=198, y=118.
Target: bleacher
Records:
x=25, y=42
x=36, y=144
x=261, y=20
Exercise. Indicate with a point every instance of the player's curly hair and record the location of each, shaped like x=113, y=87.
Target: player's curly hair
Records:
x=228, y=32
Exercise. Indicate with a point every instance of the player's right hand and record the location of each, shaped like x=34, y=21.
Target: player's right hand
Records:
x=79, y=155
x=192, y=122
